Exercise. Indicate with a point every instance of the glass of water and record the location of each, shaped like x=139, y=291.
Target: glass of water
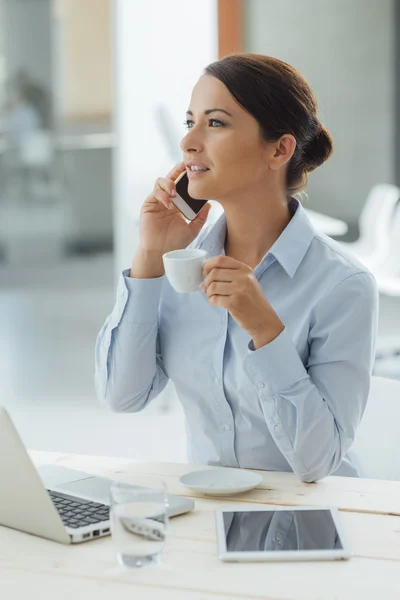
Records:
x=139, y=519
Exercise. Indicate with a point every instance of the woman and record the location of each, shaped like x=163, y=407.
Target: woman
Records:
x=272, y=359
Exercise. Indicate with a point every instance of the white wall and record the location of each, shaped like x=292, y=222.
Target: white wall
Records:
x=346, y=51
x=161, y=49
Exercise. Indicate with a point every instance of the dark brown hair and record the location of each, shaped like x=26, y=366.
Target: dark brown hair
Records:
x=281, y=101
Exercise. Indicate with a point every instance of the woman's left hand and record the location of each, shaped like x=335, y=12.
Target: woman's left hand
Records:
x=232, y=285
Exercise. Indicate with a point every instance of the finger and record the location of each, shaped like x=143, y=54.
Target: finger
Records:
x=218, y=274
x=221, y=301
x=176, y=170
x=166, y=185
x=221, y=261
x=163, y=198
x=219, y=288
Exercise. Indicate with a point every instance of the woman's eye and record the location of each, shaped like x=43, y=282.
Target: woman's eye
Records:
x=189, y=124
x=219, y=123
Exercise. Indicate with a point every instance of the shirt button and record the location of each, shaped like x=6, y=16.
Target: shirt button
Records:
x=278, y=537
x=261, y=385
x=226, y=427
x=277, y=428
x=216, y=380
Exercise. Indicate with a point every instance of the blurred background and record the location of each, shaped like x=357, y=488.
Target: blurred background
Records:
x=93, y=95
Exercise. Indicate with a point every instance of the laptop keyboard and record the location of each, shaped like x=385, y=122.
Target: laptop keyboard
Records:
x=76, y=512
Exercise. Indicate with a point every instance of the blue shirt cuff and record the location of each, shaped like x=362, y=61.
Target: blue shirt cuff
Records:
x=139, y=298
x=276, y=366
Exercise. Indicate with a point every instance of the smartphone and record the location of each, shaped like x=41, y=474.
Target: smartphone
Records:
x=188, y=206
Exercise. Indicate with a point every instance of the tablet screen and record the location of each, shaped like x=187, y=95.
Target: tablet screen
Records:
x=281, y=530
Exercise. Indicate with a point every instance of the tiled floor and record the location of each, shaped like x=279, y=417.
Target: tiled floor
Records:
x=49, y=319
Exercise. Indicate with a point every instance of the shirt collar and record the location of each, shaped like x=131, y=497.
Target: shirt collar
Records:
x=290, y=247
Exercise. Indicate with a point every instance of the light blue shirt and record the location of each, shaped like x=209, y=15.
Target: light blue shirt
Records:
x=292, y=405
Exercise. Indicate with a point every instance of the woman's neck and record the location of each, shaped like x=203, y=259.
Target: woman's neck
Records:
x=253, y=226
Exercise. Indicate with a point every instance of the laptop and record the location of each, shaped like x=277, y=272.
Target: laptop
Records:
x=59, y=504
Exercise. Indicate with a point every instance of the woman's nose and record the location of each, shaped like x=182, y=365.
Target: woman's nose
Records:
x=191, y=143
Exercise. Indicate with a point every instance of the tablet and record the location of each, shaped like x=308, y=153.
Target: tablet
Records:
x=280, y=533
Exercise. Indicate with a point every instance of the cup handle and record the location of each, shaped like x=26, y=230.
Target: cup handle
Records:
x=205, y=259
x=202, y=276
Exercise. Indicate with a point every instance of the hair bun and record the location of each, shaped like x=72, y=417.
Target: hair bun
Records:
x=319, y=149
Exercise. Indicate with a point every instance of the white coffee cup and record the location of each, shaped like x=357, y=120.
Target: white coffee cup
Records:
x=184, y=269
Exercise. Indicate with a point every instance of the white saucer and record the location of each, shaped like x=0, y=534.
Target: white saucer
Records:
x=221, y=482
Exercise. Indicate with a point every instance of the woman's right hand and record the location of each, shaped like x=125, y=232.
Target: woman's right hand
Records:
x=162, y=227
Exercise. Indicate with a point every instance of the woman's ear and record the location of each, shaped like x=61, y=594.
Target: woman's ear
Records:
x=283, y=150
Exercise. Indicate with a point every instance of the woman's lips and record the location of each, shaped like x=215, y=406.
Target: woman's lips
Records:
x=192, y=174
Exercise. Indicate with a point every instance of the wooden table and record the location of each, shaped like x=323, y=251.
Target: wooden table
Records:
x=35, y=568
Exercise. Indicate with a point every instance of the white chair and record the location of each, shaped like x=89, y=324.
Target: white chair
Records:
x=374, y=225
x=377, y=439
x=387, y=271
x=387, y=356
x=36, y=149
x=387, y=275
x=326, y=224
x=36, y=165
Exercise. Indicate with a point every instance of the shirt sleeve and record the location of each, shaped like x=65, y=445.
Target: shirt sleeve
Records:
x=313, y=410
x=129, y=370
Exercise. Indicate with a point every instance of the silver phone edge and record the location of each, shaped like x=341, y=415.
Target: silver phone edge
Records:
x=184, y=208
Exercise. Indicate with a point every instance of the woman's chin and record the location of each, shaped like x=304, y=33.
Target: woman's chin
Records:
x=199, y=190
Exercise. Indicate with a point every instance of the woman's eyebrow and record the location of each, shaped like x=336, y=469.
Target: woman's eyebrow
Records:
x=210, y=110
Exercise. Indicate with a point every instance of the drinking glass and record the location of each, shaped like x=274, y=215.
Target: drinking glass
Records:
x=139, y=519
